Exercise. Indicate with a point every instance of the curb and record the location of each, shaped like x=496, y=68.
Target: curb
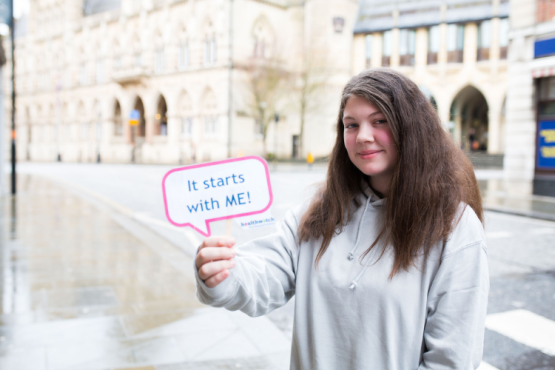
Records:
x=516, y=212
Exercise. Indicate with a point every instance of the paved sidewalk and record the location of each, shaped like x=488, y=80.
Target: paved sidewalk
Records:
x=504, y=196
x=85, y=287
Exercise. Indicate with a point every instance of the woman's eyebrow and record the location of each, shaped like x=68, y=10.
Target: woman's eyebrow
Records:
x=370, y=115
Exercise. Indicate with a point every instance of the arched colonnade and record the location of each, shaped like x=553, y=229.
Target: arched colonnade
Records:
x=475, y=119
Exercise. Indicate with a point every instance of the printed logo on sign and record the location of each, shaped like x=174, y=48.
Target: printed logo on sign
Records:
x=199, y=194
x=546, y=145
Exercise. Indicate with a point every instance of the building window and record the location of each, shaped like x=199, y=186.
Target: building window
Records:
x=99, y=71
x=484, y=40
x=503, y=37
x=84, y=131
x=117, y=62
x=386, y=48
x=83, y=74
x=368, y=40
x=186, y=127
x=160, y=60
x=183, y=61
x=137, y=59
x=210, y=126
x=455, y=43
x=546, y=95
x=209, y=50
x=206, y=51
x=213, y=50
x=433, y=44
x=259, y=48
x=407, y=40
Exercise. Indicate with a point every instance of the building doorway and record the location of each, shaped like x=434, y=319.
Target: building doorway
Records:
x=469, y=113
x=138, y=132
x=118, y=121
x=296, y=142
x=141, y=127
x=162, y=117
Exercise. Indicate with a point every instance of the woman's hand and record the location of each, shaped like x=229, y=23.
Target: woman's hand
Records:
x=214, y=259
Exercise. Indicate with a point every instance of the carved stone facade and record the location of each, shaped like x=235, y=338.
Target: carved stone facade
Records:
x=182, y=65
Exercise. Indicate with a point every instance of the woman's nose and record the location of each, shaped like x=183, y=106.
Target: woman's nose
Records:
x=365, y=134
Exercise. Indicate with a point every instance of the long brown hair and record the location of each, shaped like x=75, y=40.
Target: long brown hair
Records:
x=432, y=175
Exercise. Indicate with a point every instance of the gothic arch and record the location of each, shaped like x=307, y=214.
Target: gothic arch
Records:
x=161, y=117
x=263, y=37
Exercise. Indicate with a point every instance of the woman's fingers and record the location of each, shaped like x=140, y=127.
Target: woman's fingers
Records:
x=214, y=259
x=210, y=269
x=218, y=241
x=216, y=279
x=215, y=248
x=210, y=254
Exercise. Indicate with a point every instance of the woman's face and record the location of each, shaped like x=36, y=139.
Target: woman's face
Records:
x=369, y=141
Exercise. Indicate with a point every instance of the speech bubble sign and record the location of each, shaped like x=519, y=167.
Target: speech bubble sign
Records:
x=199, y=194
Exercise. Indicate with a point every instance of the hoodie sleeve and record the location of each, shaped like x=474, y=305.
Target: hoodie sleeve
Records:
x=457, y=305
x=263, y=278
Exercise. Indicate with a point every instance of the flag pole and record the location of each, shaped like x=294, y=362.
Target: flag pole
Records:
x=12, y=35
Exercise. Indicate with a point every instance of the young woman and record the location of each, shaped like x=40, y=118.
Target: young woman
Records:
x=388, y=262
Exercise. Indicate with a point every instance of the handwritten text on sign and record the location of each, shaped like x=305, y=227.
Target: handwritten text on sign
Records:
x=199, y=194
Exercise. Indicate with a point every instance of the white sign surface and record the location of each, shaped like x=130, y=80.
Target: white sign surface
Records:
x=199, y=194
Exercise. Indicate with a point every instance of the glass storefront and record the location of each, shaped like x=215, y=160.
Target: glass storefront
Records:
x=544, y=179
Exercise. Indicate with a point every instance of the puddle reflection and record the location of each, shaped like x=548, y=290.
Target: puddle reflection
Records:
x=77, y=288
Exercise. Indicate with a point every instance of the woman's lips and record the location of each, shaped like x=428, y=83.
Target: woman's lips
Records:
x=369, y=154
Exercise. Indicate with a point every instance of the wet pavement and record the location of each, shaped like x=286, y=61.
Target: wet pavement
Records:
x=94, y=277
x=513, y=197
x=81, y=290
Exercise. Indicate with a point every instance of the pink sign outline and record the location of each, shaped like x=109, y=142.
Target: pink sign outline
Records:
x=207, y=221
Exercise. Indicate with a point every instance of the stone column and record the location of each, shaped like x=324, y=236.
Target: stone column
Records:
x=519, y=161
x=494, y=129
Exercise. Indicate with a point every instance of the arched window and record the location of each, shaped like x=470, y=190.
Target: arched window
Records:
x=186, y=116
x=118, y=120
x=209, y=114
x=263, y=38
x=184, y=55
x=209, y=45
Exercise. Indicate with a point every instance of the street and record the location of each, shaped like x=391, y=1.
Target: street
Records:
x=140, y=294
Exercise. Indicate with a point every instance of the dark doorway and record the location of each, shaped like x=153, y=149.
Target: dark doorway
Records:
x=118, y=122
x=469, y=112
x=162, y=117
x=296, y=143
x=141, y=127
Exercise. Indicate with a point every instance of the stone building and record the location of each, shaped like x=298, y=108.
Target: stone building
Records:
x=455, y=50
x=183, y=65
x=530, y=153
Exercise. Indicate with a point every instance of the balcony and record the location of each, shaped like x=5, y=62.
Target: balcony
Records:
x=131, y=75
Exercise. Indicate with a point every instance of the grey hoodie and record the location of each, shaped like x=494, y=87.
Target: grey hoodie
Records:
x=348, y=314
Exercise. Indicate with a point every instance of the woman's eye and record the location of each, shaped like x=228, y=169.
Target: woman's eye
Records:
x=350, y=125
x=381, y=121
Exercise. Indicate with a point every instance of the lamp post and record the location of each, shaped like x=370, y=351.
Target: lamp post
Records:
x=98, y=136
x=12, y=23
x=276, y=120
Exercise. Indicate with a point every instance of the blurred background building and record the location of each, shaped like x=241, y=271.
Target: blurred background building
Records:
x=530, y=149
x=206, y=78
x=456, y=51
x=223, y=78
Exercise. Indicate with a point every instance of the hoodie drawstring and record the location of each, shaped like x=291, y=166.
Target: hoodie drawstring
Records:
x=355, y=282
x=351, y=254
